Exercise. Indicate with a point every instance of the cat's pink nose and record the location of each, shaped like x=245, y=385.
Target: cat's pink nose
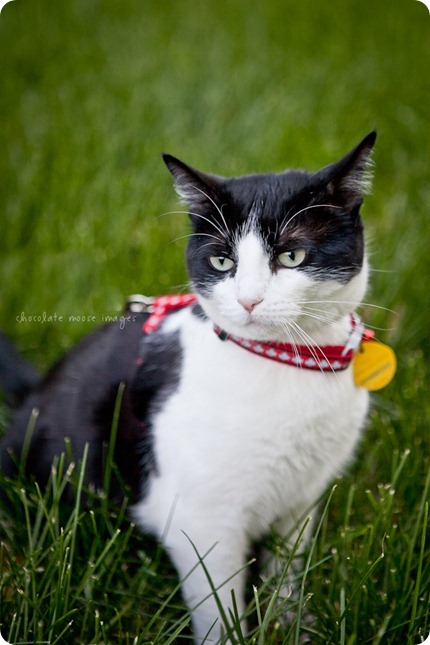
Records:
x=249, y=303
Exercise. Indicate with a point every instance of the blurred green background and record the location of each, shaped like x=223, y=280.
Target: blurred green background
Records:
x=92, y=91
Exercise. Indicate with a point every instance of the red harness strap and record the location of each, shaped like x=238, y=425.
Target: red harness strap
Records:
x=163, y=305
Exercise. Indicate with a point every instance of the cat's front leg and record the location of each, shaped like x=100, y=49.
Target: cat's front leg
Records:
x=212, y=575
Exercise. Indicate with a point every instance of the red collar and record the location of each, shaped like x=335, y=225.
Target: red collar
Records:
x=328, y=358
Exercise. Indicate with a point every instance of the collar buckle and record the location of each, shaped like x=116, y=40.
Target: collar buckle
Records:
x=138, y=303
x=355, y=336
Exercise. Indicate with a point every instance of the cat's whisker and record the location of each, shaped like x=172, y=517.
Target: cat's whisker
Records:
x=323, y=316
x=293, y=326
x=336, y=321
x=311, y=345
x=308, y=340
x=325, y=320
x=219, y=210
x=346, y=302
x=171, y=213
x=212, y=223
x=372, y=270
x=185, y=237
x=291, y=339
x=290, y=328
x=376, y=328
x=302, y=210
x=208, y=244
x=304, y=337
x=297, y=330
x=223, y=234
x=182, y=288
x=328, y=315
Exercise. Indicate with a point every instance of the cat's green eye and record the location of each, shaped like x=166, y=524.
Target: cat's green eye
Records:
x=291, y=259
x=221, y=263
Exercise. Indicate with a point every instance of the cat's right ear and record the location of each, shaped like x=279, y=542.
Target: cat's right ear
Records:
x=196, y=188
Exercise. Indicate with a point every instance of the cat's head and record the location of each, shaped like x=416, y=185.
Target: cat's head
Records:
x=275, y=256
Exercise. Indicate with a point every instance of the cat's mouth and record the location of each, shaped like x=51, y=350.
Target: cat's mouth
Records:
x=255, y=325
x=248, y=318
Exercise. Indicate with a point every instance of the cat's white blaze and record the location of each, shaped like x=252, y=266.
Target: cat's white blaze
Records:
x=248, y=466
x=253, y=271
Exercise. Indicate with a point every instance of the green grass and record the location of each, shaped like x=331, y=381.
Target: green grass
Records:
x=91, y=92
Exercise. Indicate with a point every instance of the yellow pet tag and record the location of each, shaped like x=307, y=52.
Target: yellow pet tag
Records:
x=374, y=365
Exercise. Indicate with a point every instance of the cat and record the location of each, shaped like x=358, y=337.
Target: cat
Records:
x=235, y=414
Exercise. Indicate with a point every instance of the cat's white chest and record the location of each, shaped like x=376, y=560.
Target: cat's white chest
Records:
x=249, y=436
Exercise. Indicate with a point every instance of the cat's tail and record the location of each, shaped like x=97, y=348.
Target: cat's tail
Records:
x=17, y=376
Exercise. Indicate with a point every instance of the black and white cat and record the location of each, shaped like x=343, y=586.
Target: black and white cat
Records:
x=240, y=405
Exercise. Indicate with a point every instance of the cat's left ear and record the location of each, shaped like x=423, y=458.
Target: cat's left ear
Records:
x=193, y=186
x=348, y=180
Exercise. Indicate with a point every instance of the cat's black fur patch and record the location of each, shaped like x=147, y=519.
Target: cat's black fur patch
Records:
x=77, y=400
